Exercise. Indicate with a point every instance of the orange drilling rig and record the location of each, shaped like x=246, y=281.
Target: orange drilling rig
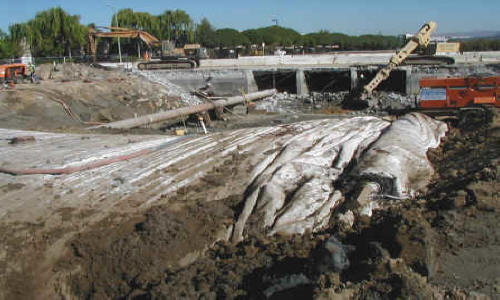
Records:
x=13, y=72
x=466, y=99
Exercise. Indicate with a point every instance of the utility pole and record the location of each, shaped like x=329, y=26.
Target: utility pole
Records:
x=276, y=21
x=116, y=21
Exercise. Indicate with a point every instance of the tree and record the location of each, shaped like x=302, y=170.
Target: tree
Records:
x=205, y=34
x=228, y=37
x=171, y=25
x=127, y=18
x=51, y=32
x=177, y=26
x=7, y=48
x=492, y=44
x=274, y=35
x=55, y=32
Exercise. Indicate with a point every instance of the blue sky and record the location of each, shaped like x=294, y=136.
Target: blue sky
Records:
x=351, y=16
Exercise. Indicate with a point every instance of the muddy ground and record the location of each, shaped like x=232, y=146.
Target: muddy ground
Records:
x=74, y=96
x=443, y=244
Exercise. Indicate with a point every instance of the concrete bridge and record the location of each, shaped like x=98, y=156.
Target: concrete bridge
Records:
x=304, y=80
x=302, y=74
x=340, y=59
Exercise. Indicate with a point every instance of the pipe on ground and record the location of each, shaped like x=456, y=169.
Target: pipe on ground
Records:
x=184, y=111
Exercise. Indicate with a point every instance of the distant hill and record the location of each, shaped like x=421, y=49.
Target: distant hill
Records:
x=482, y=34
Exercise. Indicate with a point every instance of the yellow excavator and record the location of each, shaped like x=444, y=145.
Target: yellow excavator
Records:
x=420, y=39
x=171, y=58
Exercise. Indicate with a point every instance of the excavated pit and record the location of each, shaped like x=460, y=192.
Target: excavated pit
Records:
x=328, y=81
x=240, y=185
x=395, y=83
x=158, y=225
x=283, y=81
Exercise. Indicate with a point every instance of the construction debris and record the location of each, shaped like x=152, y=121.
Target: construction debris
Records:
x=76, y=96
x=265, y=204
x=22, y=139
x=185, y=111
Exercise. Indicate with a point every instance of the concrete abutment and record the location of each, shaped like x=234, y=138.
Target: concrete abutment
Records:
x=302, y=80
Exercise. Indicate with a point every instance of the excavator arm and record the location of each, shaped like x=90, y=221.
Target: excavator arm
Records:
x=118, y=32
x=421, y=38
x=170, y=61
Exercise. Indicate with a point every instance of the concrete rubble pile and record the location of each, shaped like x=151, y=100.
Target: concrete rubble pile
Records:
x=174, y=90
x=384, y=101
x=331, y=98
x=292, y=103
x=293, y=189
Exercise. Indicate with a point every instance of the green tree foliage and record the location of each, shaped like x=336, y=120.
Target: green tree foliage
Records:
x=127, y=18
x=54, y=32
x=205, y=34
x=8, y=49
x=174, y=25
x=346, y=42
x=182, y=28
x=51, y=32
x=480, y=45
x=324, y=37
x=280, y=36
x=228, y=37
x=274, y=35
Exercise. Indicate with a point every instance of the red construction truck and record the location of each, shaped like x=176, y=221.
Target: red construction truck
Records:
x=459, y=92
x=13, y=72
x=467, y=98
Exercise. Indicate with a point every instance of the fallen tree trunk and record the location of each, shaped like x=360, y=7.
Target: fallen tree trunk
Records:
x=184, y=111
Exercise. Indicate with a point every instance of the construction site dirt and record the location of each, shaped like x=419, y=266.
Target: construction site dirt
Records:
x=145, y=214
x=77, y=96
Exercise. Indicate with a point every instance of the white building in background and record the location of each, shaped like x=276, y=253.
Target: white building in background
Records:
x=434, y=38
x=26, y=57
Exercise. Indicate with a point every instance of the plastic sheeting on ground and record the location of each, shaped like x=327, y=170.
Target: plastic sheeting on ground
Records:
x=397, y=165
x=398, y=160
x=293, y=188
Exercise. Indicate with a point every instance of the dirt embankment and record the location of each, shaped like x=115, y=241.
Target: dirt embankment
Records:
x=74, y=96
x=445, y=243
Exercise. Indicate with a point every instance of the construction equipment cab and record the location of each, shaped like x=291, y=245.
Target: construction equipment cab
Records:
x=13, y=72
x=468, y=100
x=459, y=92
x=190, y=52
x=195, y=52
